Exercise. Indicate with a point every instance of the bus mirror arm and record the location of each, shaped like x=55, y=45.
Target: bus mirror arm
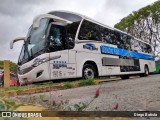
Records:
x=15, y=40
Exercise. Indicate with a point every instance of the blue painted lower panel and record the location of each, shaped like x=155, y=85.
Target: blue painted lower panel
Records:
x=125, y=53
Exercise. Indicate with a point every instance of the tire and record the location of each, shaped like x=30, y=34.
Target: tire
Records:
x=124, y=77
x=89, y=71
x=146, y=72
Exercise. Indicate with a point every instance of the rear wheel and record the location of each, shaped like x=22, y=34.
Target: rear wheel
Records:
x=124, y=77
x=89, y=71
x=146, y=72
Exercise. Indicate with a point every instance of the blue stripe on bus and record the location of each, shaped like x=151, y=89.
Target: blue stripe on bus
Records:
x=126, y=53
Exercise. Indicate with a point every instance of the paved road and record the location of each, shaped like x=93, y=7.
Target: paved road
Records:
x=134, y=94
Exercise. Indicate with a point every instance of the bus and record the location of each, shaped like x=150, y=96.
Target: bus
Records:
x=62, y=44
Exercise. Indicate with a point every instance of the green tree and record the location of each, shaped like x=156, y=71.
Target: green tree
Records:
x=144, y=24
x=13, y=66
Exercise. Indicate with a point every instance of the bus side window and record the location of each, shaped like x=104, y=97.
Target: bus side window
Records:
x=89, y=31
x=143, y=47
x=149, y=48
x=106, y=38
x=56, y=38
x=109, y=36
x=125, y=41
x=128, y=43
x=137, y=46
x=132, y=45
x=71, y=33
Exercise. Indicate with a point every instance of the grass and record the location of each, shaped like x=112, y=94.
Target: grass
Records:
x=80, y=83
x=19, y=88
x=68, y=85
x=86, y=82
x=63, y=85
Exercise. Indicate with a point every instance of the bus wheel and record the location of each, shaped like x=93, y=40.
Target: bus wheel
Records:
x=89, y=71
x=124, y=77
x=146, y=72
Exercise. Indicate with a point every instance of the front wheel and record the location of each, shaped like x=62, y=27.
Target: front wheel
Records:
x=89, y=71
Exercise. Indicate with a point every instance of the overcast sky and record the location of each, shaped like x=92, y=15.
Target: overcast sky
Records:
x=16, y=16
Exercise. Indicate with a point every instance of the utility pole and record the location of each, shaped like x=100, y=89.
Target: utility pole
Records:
x=6, y=74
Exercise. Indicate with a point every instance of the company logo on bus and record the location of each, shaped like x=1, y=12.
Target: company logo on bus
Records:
x=90, y=47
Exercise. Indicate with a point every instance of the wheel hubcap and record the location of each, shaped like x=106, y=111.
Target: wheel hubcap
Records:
x=88, y=73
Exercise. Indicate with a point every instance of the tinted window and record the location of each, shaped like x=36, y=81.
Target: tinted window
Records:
x=125, y=41
x=56, y=38
x=109, y=36
x=143, y=47
x=90, y=31
x=136, y=46
x=71, y=30
x=117, y=38
x=146, y=48
x=149, y=48
x=140, y=46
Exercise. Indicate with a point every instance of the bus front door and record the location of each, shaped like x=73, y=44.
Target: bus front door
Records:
x=58, y=66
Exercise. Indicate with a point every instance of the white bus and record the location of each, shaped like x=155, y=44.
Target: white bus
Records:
x=63, y=44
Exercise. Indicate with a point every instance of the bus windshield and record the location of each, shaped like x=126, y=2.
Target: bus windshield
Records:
x=35, y=43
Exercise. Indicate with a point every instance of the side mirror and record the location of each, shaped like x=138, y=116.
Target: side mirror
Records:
x=15, y=40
